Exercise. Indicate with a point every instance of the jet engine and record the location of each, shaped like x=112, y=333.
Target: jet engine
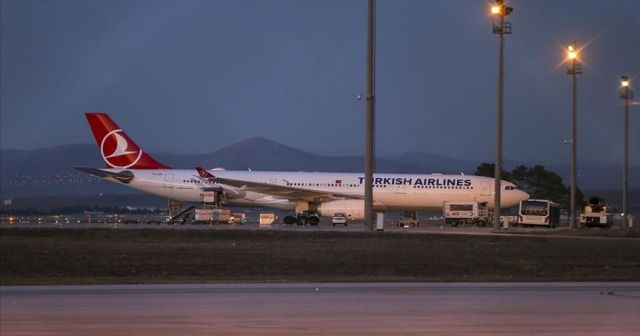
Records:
x=354, y=209
x=232, y=192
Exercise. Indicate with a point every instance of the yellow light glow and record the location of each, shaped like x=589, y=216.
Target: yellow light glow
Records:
x=625, y=83
x=570, y=47
x=496, y=9
x=572, y=54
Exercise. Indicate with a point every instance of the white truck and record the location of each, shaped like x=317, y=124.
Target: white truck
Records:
x=456, y=213
x=595, y=214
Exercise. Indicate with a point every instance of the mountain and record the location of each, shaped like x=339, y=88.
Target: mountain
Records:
x=49, y=171
x=48, y=160
x=263, y=154
x=599, y=176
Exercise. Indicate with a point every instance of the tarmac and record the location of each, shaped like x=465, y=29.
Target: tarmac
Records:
x=323, y=309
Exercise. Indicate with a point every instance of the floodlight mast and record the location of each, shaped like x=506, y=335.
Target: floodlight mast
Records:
x=625, y=93
x=501, y=28
x=574, y=69
x=369, y=156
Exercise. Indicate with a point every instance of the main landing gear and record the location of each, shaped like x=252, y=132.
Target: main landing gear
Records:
x=304, y=218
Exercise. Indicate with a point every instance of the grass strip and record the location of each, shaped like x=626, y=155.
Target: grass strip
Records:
x=98, y=256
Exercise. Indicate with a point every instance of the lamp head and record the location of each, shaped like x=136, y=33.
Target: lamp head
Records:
x=624, y=82
x=572, y=51
x=500, y=9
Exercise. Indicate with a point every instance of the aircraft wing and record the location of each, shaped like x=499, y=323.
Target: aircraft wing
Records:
x=211, y=188
x=292, y=193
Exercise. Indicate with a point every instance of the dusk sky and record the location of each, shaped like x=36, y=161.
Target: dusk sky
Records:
x=190, y=76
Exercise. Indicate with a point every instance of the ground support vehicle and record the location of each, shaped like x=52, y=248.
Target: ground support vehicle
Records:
x=212, y=216
x=339, y=218
x=457, y=213
x=266, y=218
x=596, y=215
x=535, y=212
x=409, y=218
x=237, y=218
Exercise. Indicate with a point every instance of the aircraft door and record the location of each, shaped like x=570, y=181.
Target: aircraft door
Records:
x=168, y=181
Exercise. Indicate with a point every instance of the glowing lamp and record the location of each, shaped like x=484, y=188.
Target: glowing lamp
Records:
x=625, y=81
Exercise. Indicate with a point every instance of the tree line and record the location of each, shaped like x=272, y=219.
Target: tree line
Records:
x=538, y=181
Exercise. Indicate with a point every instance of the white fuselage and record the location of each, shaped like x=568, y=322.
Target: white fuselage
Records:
x=390, y=191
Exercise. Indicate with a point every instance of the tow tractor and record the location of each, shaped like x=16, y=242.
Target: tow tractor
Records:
x=596, y=213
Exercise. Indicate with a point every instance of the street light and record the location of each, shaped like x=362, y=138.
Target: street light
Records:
x=574, y=69
x=625, y=93
x=572, y=53
x=624, y=82
x=501, y=28
x=369, y=153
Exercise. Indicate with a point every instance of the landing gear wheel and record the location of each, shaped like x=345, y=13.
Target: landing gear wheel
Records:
x=314, y=220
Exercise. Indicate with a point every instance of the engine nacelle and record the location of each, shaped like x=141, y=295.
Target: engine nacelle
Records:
x=354, y=209
x=233, y=192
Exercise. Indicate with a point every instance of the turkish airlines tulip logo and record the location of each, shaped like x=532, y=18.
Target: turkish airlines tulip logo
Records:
x=117, y=152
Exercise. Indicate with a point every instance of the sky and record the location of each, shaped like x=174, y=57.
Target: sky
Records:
x=193, y=76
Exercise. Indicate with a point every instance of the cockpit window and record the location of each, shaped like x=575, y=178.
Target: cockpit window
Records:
x=511, y=188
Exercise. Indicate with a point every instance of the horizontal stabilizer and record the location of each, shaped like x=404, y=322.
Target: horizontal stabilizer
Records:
x=124, y=176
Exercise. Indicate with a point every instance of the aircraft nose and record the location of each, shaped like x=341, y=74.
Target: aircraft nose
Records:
x=513, y=197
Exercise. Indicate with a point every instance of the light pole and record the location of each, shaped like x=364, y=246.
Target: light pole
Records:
x=574, y=69
x=625, y=93
x=370, y=118
x=501, y=28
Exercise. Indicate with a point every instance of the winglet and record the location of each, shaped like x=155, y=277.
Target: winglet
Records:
x=204, y=173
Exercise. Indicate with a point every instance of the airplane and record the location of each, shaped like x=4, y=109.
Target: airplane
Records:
x=309, y=194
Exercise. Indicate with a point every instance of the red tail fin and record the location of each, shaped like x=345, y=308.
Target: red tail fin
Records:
x=117, y=149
